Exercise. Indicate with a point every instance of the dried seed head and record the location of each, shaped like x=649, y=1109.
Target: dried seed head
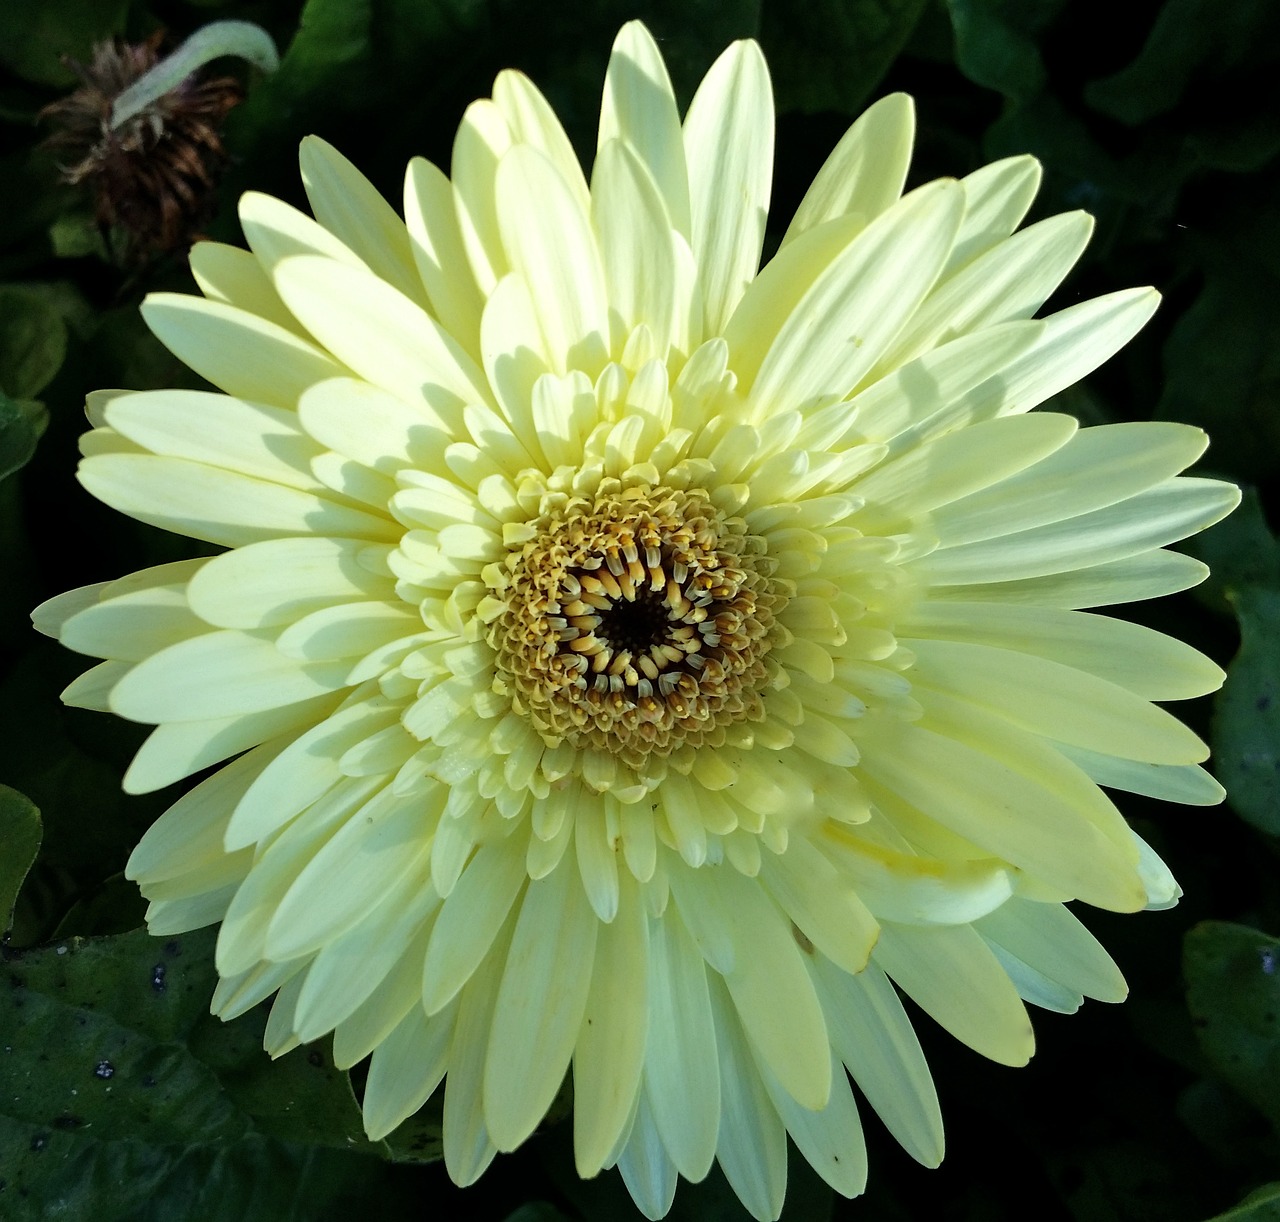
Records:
x=152, y=178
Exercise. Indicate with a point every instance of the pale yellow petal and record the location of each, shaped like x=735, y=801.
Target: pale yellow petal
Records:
x=539, y=1006
x=609, y=1057
x=771, y=991
x=953, y=976
x=406, y=1068
x=532, y=121
x=681, y=1076
x=1010, y=281
x=553, y=249
x=236, y=278
x=132, y=626
x=1148, y=663
x=350, y=207
x=1169, y=511
x=219, y=674
x=381, y=334
x=220, y=506
x=997, y=197
x=1055, y=700
x=483, y=137
x=239, y=352
x=985, y=797
x=1052, y=940
x=853, y=306
x=864, y=174
x=647, y=281
x=249, y=438
x=470, y=920
x=830, y=1139
x=367, y=856
x=1097, y=467
x=728, y=145
x=752, y=1148
x=179, y=749
x=639, y=108
x=276, y=230
x=439, y=253
x=278, y=581
x=872, y=1035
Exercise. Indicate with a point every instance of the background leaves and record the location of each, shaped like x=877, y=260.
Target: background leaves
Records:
x=1159, y=116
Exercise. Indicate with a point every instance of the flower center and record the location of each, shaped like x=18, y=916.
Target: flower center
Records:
x=636, y=621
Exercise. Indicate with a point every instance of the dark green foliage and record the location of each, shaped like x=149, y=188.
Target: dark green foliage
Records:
x=1161, y=117
x=1245, y=560
x=1233, y=993
x=20, y=835
x=122, y=1097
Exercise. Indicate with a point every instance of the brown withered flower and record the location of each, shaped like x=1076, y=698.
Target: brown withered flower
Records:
x=151, y=177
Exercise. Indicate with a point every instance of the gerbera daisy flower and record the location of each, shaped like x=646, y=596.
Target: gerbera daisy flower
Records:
x=637, y=664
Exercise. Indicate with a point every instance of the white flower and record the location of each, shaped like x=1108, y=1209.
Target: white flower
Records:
x=634, y=662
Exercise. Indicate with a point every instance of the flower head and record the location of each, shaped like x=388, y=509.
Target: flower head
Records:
x=634, y=663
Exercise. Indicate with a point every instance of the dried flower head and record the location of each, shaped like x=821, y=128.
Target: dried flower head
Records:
x=152, y=176
x=639, y=665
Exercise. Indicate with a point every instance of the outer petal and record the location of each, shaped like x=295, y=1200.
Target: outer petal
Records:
x=609, y=1057
x=219, y=674
x=552, y=247
x=728, y=144
x=220, y=506
x=997, y=197
x=440, y=254
x=865, y=172
x=648, y=280
x=349, y=206
x=844, y=315
x=540, y=1005
x=236, y=278
x=380, y=333
x=639, y=108
x=951, y=973
x=239, y=352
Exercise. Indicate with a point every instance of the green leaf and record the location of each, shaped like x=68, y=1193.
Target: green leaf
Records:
x=1121, y=1180
x=33, y=340
x=420, y=1139
x=1228, y=1129
x=996, y=44
x=1246, y=723
x=77, y=235
x=1222, y=361
x=115, y=906
x=536, y=1211
x=59, y=758
x=264, y=1181
x=22, y=423
x=326, y=66
x=1233, y=994
x=831, y=54
x=117, y=1072
x=35, y=34
x=301, y=1097
x=254, y=1180
x=1192, y=46
x=1261, y=1205
x=1244, y=559
x=20, y=836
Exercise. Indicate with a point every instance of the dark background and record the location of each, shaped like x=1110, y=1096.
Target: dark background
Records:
x=121, y=1099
